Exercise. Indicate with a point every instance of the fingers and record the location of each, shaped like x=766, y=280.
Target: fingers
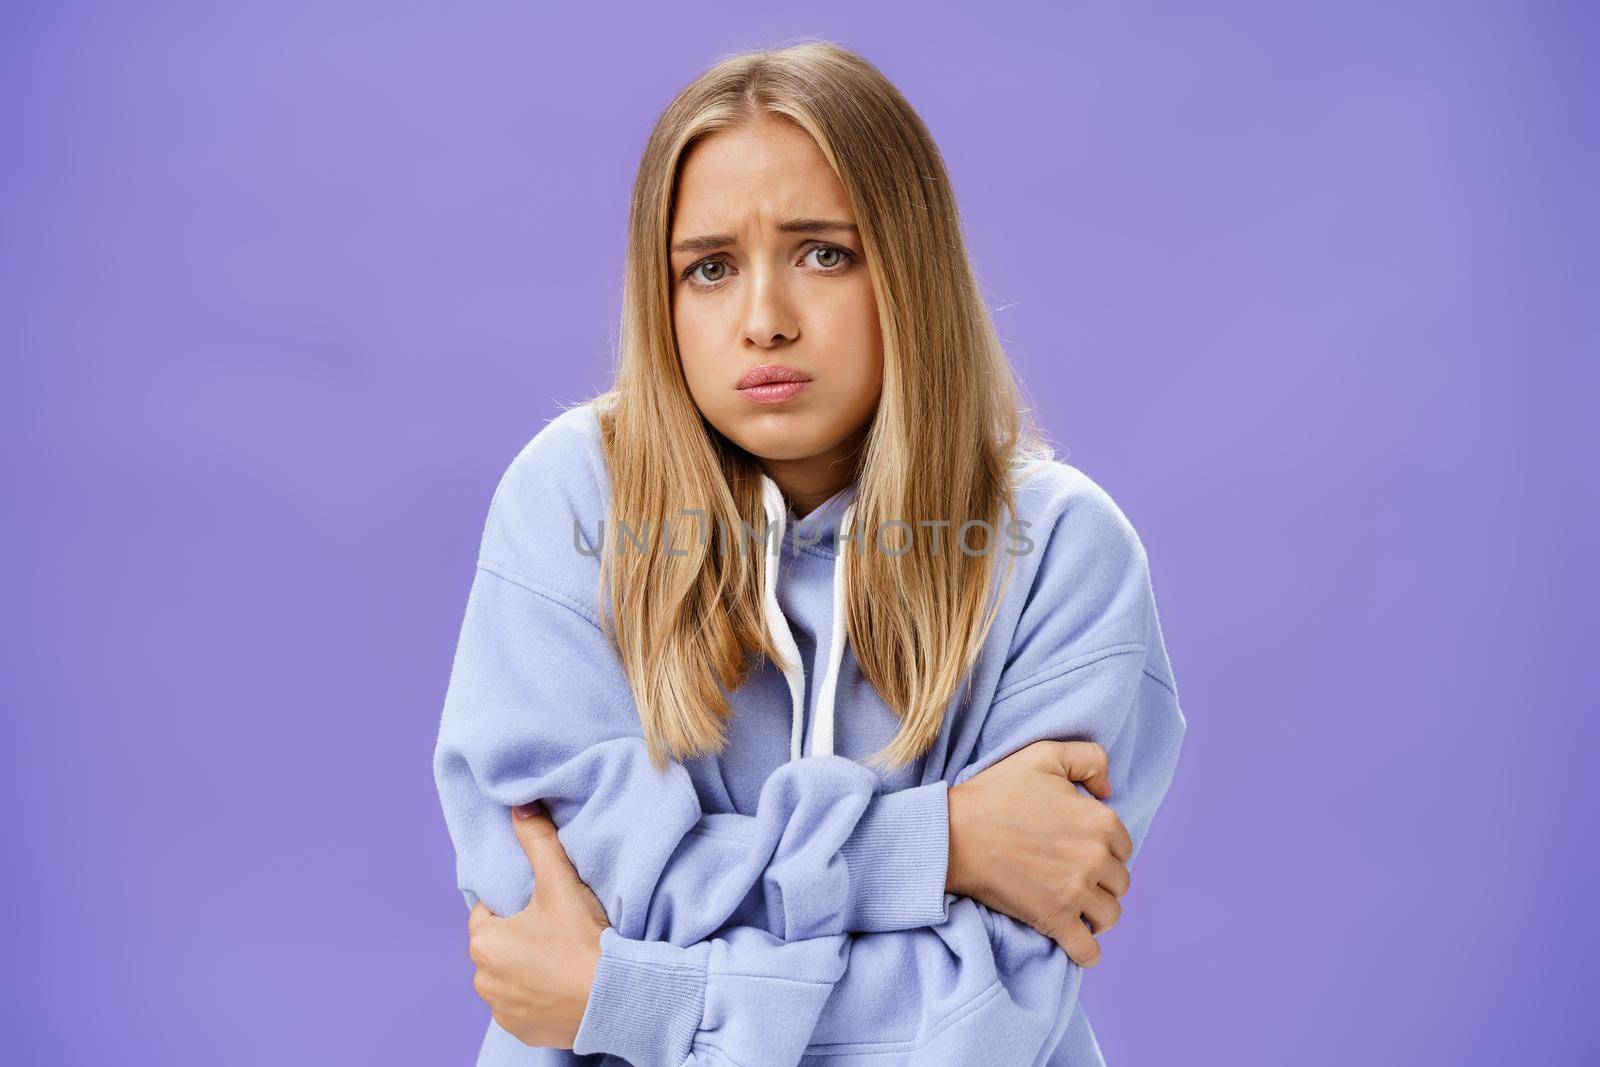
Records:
x=1108, y=827
x=477, y=925
x=1079, y=761
x=1079, y=944
x=1121, y=841
x=1086, y=762
x=1114, y=878
x=536, y=832
x=1101, y=910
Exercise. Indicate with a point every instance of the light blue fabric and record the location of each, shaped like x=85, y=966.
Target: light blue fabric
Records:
x=770, y=910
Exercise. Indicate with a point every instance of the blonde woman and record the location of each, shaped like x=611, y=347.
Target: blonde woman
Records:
x=800, y=637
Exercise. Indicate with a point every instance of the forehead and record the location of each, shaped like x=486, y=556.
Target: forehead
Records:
x=771, y=168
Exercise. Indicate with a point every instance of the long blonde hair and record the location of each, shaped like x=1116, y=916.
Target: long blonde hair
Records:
x=948, y=436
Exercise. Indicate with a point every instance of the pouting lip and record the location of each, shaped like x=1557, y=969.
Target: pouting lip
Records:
x=767, y=373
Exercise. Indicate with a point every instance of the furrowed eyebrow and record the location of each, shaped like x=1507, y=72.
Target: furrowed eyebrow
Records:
x=817, y=226
x=711, y=241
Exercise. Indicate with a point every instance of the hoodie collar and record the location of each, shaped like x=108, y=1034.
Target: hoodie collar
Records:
x=820, y=528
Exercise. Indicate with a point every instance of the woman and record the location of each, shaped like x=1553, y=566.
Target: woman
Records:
x=800, y=637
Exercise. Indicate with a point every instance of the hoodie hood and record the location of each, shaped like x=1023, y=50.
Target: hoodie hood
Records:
x=821, y=530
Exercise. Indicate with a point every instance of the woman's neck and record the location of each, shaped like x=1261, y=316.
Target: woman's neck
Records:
x=808, y=482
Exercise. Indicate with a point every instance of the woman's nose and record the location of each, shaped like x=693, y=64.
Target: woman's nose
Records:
x=769, y=315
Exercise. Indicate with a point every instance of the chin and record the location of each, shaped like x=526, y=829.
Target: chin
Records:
x=778, y=436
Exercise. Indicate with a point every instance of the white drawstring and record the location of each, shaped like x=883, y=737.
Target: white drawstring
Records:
x=794, y=671
x=822, y=734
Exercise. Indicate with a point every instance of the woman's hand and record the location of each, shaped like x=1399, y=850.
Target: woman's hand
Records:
x=535, y=969
x=1026, y=842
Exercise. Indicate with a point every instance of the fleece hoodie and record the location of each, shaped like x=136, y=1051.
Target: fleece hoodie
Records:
x=781, y=902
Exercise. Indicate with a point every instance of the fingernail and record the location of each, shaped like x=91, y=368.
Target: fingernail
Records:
x=528, y=810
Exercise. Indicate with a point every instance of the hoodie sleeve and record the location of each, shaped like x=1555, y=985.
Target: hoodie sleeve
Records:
x=1087, y=663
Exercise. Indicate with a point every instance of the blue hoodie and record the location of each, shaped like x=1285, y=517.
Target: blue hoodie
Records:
x=782, y=902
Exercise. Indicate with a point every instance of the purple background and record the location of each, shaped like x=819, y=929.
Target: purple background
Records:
x=1311, y=292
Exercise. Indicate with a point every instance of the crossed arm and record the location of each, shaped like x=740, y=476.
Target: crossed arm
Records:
x=736, y=931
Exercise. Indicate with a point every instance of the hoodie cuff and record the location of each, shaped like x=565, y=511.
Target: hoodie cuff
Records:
x=646, y=1002
x=898, y=857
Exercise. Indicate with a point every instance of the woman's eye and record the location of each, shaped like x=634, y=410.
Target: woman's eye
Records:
x=710, y=263
x=829, y=256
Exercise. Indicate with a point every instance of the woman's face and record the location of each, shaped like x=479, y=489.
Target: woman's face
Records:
x=768, y=271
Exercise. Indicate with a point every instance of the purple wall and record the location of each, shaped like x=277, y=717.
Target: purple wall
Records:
x=1311, y=292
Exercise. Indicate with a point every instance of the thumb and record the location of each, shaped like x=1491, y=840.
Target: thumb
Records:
x=536, y=833
x=1083, y=761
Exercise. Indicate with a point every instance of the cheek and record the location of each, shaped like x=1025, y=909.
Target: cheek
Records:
x=855, y=341
x=696, y=347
